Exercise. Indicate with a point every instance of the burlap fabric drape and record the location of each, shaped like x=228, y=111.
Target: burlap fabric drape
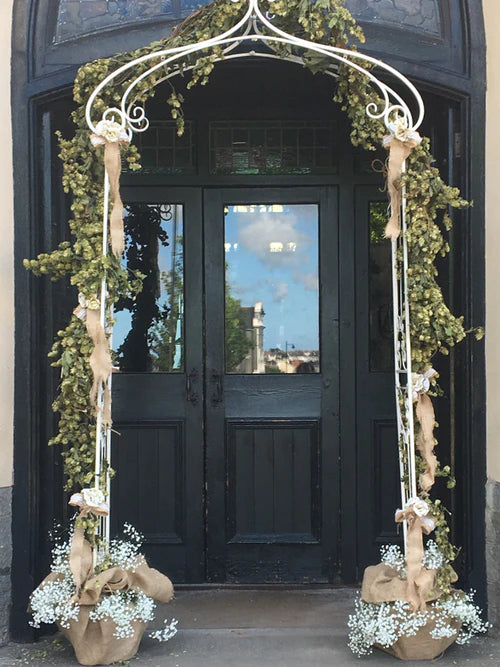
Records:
x=100, y=358
x=426, y=419
x=400, y=144
x=112, y=136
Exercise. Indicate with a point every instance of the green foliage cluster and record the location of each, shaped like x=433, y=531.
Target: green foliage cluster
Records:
x=429, y=201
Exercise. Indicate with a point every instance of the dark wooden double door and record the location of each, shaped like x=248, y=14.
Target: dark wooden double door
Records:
x=255, y=434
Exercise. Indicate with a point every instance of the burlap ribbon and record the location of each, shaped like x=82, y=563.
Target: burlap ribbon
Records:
x=399, y=143
x=89, y=501
x=89, y=587
x=100, y=357
x=419, y=581
x=112, y=136
x=426, y=418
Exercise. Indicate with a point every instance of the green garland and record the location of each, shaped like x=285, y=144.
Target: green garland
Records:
x=433, y=327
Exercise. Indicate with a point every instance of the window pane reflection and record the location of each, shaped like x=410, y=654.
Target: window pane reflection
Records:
x=272, y=294
x=381, y=325
x=149, y=331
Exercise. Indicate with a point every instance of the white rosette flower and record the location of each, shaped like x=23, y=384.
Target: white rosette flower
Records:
x=399, y=128
x=419, y=506
x=90, y=500
x=109, y=131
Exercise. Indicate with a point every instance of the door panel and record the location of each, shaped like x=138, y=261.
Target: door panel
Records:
x=266, y=436
x=378, y=470
x=158, y=409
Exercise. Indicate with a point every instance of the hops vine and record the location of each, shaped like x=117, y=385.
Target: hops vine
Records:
x=433, y=327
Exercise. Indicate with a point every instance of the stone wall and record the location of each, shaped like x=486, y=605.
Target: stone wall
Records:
x=492, y=550
x=5, y=560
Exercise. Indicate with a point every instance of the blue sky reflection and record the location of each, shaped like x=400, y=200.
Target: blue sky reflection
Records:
x=272, y=257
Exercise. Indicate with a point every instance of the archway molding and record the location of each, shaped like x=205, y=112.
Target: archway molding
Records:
x=25, y=239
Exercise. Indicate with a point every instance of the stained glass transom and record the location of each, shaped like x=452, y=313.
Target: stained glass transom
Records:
x=81, y=17
x=272, y=147
x=163, y=151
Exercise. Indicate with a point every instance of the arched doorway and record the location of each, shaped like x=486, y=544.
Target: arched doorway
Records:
x=43, y=106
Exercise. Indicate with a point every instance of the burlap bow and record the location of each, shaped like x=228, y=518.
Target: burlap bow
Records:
x=89, y=587
x=426, y=418
x=89, y=501
x=399, y=143
x=100, y=358
x=419, y=581
x=112, y=135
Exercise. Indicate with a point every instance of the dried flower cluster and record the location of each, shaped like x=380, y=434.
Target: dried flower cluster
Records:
x=165, y=633
x=124, y=608
x=52, y=602
x=385, y=623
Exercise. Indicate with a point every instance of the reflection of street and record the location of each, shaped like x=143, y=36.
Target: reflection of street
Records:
x=291, y=361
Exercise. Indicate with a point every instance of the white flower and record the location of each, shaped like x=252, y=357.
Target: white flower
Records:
x=399, y=128
x=111, y=131
x=421, y=382
x=91, y=499
x=391, y=555
x=169, y=631
x=419, y=506
x=123, y=608
x=52, y=602
x=433, y=558
x=386, y=622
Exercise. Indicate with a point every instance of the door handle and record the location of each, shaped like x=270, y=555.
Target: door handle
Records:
x=218, y=395
x=191, y=395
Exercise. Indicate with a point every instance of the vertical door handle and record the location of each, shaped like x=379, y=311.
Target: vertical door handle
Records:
x=218, y=394
x=191, y=395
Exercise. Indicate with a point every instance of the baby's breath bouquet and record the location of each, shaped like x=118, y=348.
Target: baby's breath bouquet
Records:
x=101, y=601
x=396, y=627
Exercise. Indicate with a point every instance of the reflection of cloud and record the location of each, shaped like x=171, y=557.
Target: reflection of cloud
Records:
x=279, y=289
x=266, y=228
x=309, y=280
x=240, y=290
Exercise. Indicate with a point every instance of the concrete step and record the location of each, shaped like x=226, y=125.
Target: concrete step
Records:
x=253, y=628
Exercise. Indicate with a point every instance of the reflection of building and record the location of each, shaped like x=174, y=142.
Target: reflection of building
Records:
x=254, y=330
x=289, y=361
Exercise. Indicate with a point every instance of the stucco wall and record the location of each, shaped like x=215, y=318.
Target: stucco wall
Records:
x=492, y=21
x=6, y=320
x=6, y=255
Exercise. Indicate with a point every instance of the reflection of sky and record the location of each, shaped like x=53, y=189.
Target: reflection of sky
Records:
x=286, y=281
x=173, y=227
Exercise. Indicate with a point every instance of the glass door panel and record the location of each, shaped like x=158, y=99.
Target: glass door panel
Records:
x=149, y=330
x=271, y=288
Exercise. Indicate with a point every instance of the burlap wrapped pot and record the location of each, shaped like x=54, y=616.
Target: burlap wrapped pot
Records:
x=94, y=642
x=422, y=646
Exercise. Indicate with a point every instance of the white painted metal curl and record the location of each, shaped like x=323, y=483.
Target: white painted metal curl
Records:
x=256, y=26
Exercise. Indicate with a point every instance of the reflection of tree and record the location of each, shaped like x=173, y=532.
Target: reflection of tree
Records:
x=144, y=234
x=238, y=344
x=167, y=336
x=378, y=221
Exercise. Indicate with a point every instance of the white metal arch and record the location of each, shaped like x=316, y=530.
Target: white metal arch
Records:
x=256, y=26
